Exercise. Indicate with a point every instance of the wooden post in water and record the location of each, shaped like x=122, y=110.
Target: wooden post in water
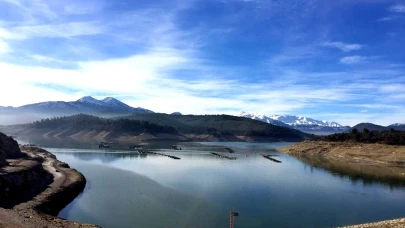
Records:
x=232, y=218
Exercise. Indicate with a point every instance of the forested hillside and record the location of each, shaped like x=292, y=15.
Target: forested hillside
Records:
x=390, y=137
x=220, y=124
x=87, y=122
x=152, y=127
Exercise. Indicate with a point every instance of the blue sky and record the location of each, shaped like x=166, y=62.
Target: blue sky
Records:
x=332, y=60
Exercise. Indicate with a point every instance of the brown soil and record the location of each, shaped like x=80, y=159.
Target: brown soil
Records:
x=359, y=153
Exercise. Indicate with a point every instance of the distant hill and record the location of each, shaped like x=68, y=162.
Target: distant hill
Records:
x=87, y=128
x=300, y=123
x=222, y=126
x=176, y=113
x=107, y=107
x=372, y=127
x=398, y=126
x=153, y=126
x=390, y=137
x=83, y=122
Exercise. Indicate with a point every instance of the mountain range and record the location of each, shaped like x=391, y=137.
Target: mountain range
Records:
x=108, y=107
x=304, y=124
x=138, y=128
x=111, y=107
x=318, y=127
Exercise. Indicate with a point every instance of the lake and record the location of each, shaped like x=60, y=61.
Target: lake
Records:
x=126, y=189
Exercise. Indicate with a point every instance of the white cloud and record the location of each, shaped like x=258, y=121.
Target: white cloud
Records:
x=400, y=8
x=343, y=46
x=46, y=59
x=355, y=59
x=6, y=34
x=4, y=47
x=144, y=80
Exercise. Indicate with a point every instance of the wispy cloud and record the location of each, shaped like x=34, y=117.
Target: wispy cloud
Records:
x=70, y=29
x=395, y=13
x=399, y=8
x=293, y=54
x=388, y=18
x=14, y=2
x=343, y=46
x=355, y=59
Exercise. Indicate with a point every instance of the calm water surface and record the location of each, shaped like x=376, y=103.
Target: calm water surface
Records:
x=125, y=189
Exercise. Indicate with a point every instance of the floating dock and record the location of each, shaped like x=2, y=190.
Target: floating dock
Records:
x=223, y=156
x=154, y=153
x=269, y=156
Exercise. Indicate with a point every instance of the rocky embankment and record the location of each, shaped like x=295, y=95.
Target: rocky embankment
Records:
x=35, y=186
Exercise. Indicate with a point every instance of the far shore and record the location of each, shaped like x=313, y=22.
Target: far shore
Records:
x=380, y=155
x=369, y=162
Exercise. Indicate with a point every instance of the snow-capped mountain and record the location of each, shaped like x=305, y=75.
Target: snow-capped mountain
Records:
x=112, y=102
x=86, y=105
x=263, y=118
x=300, y=120
x=304, y=124
x=90, y=100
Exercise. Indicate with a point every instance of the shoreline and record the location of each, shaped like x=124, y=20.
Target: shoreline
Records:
x=41, y=210
x=380, y=155
x=394, y=223
x=374, y=162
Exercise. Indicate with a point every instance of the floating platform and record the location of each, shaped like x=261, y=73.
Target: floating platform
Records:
x=154, y=153
x=269, y=156
x=223, y=156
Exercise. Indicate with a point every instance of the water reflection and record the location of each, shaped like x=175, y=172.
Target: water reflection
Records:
x=103, y=157
x=200, y=190
x=366, y=174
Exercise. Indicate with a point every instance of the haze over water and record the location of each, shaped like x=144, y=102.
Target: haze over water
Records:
x=128, y=190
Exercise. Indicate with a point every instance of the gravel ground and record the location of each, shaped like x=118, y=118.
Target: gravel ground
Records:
x=396, y=223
